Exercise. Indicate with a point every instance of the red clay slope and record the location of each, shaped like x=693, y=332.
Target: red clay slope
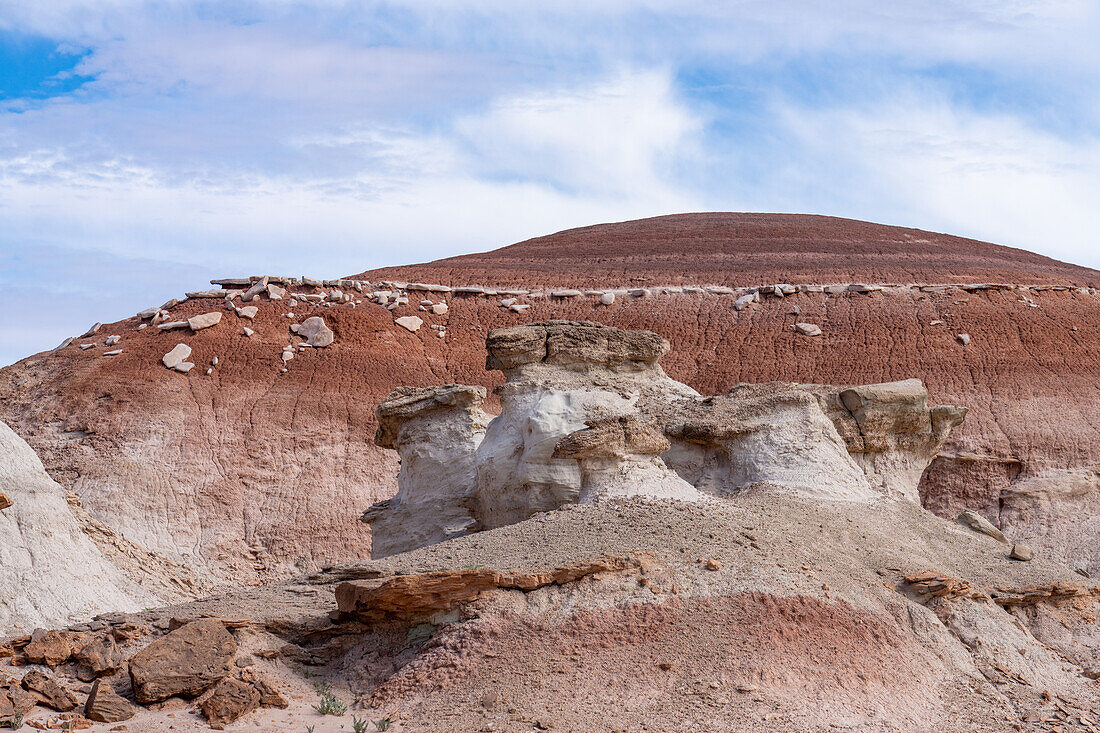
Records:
x=253, y=473
x=743, y=249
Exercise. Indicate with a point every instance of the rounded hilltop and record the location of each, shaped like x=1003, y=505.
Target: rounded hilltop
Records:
x=743, y=249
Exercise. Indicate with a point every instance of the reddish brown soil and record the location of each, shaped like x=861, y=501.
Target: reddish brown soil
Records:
x=734, y=663
x=254, y=473
x=742, y=249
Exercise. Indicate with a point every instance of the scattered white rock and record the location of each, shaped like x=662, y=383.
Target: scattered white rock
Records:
x=143, y=326
x=744, y=301
x=440, y=309
x=214, y=361
x=274, y=292
x=184, y=367
x=176, y=356
x=248, y=331
x=519, y=307
x=411, y=323
x=639, y=292
x=288, y=353
x=170, y=325
x=148, y=313
x=249, y=312
x=205, y=320
x=441, y=334
x=808, y=329
x=85, y=347
x=209, y=372
x=506, y=302
x=567, y=293
x=607, y=298
x=964, y=339
x=91, y=331
x=116, y=352
x=112, y=340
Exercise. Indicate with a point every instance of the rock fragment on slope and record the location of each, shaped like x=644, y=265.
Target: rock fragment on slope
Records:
x=978, y=523
x=316, y=332
x=204, y=320
x=177, y=357
x=808, y=329
x=104, y=705
x=409, y=323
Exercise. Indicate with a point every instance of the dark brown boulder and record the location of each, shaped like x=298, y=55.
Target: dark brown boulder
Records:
x=185, y=662
x=104, y=705
x=50, y=647
x=48, y=691
x=230, y=700
x=98, y=656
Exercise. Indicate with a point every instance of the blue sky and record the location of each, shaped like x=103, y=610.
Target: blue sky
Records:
x=148, y=146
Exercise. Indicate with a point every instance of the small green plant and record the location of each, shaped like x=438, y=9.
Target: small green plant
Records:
x=330, y=704
x=309, y=728
x=383, y=724
x=357, y=725
x=472, y=567
x=15, y=722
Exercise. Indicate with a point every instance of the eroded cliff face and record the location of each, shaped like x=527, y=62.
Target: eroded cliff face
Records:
x=588, y=414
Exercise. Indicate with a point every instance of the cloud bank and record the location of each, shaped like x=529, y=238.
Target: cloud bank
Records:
x=162, y=143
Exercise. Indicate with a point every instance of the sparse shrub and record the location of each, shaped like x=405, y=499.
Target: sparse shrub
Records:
x=309, y=728
x=329, y=704
x=383, y=724
x=357, y=725
x=15, y=722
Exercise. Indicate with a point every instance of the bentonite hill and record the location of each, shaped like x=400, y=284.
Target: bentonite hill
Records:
x=754, y=558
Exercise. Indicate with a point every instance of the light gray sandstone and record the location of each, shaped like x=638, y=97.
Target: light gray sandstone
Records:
x=607, y=298
x=176, y=356
x=204, y=320
x=170, y=325
x=978, y=523
x=316, y=332
x=248, y=311
x=409, y=323
x=808, y=329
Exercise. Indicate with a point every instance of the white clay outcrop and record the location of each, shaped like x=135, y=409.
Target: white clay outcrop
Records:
x=52, y=573
x=588, y=414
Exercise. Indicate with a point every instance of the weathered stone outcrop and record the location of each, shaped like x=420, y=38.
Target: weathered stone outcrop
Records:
x=587, y=413
x=50, y=571
x=230, y=700
x=436, y=431
x=890, y=431
x=422, y=594
x=763, y=436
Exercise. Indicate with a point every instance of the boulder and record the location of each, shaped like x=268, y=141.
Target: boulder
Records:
x=5, y=502
x=274, y=292
x=270, y=695
x=104, y=705
x=15, y=700
x=205, y=320
x=185, y=662
x=410, y=323
x=50, y=648
x=48, y=691
x=97, y=656
x=172, y=325
x=176, y=356
x=91, y=331
x=1021, y=552
x=248, y=311
x=229, y=701
x=316, y=332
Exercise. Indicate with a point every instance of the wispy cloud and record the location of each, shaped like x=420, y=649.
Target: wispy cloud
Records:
x=328, y=136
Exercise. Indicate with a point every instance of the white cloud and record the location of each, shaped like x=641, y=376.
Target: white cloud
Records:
x=934, y=165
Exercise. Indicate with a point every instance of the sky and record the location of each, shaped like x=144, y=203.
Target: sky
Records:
x=146, y=147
